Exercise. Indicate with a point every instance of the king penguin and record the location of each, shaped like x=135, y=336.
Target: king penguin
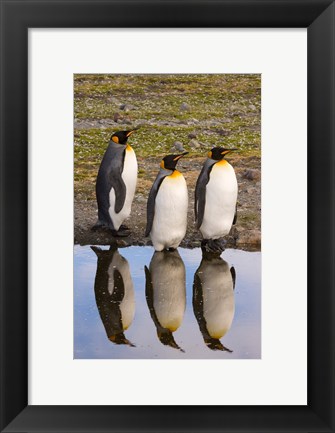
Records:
x=216, y=197
x=213, y=299
x=167, y=206
x=116, y=183
x=114, y=294
x=165, y=291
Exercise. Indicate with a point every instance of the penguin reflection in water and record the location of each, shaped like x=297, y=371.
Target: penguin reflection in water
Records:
x=167, y=206
x=215, y=199
x=116, y=183
x=165, y=290
x=213, y=299
x=114, y=294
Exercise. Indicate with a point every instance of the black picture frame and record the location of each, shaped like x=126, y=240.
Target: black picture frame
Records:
x=318, y=16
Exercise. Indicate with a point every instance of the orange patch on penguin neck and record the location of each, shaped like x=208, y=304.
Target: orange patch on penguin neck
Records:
x=129, y=148
x=175, y=174
x=222, y=163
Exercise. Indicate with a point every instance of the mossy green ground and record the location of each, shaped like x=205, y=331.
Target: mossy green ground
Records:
x=227, y=104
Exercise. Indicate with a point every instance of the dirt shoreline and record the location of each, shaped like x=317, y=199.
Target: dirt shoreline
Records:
x=246, y=234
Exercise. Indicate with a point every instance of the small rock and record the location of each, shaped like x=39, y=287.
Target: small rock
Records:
x=252, y=107
x=117, y=117
x=192, y=135
x=126, y=107
x=185, y=107
x=222, y=132
x=141, y=199
x=250, y=191
x=252, y=174
x=113, y=100
x=194, y=143
x=178, y=145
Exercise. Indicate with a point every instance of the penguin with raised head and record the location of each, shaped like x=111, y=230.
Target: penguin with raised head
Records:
x=114, y=294
x=215, y=199
x=167, y=206
x=116, y=183
x=165, y=291
x=213, y=299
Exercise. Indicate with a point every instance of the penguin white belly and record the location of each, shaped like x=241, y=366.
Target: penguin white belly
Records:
x=169, y=290
x=127, y=305
x=218, y=299
x=221, y=197
x=170, y=220
x=129, y=176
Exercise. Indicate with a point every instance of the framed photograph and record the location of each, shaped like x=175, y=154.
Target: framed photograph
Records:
x=181, y=301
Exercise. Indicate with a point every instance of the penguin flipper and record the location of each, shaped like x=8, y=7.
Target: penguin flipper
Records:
x=197, y=300
x=148, y=288
x=233, y=275
x=151, y=202
x=120, y=190
x=118, y=292
x=198, y=306
x=110, y=176
x=200, y=192
x=149, y=295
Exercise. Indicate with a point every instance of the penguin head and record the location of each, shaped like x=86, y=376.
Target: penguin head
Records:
x=121, y=137
x=218, y=153
x=169, y=162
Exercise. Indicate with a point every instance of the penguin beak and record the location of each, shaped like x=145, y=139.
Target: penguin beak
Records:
x=225, y=152
x=130, y=132
x=180, y=156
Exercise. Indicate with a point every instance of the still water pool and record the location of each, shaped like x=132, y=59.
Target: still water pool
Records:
x=135, y=303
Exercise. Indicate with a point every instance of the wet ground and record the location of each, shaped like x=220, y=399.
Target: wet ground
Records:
x=246, y=234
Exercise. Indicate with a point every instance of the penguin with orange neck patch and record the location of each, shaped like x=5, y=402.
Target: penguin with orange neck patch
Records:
x=213, y=299
x=215, y=199
x=167, y=206
x=116, y=183
x=165, y=291
x=114, y=293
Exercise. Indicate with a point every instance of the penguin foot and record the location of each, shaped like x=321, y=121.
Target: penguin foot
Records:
x=215, y=344
x=213, y=247
x=123, y=227
x=97, y=226
x=100, y=226
x=120, y=233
